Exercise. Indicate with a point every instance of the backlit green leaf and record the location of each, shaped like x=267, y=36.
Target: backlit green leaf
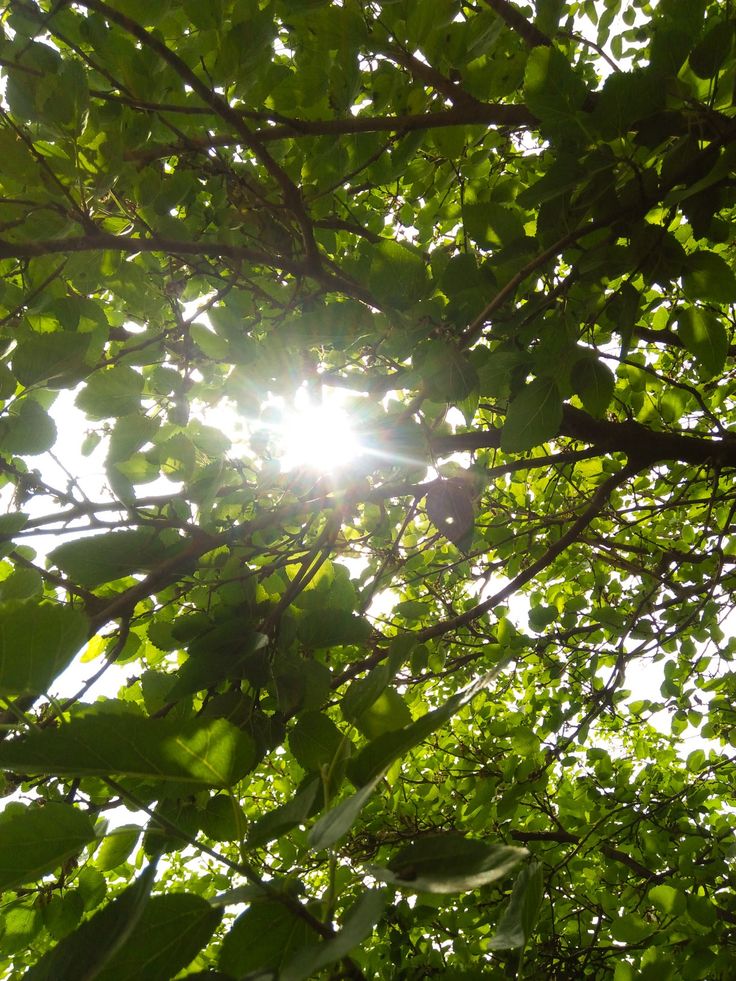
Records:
x=203, y=753
x=704, y=336
x=35, y=840
x=533, y=417
x=448, y=863
x=37, y=641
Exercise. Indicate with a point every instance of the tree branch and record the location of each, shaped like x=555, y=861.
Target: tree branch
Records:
x=638, y=442
x=430, y=76
x=596, y=505
x=528, y=32
x=464, y=114
x=565, y=838
x=291, y=193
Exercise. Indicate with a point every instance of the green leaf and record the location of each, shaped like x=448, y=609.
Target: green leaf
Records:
x=552, y=90
x=631, y=928
x=112, y=392
x=104, y=558
x=84, y=953
x=451, y=510
x=593, y=382
x=263, y=938
x=332, y=628
x=520, y=915
x=92, y=886
x=168, y=935
x=285, y=818
x=21, y=584
x=223, y=819
x=199, y=672
x=336, y=822
x=398, y=277
x=381, y=752
x=448, y=863
x=387, y=713
x=35, y=840
x=709, y=54
x=492, y=225
x=117, y=847
x=362, y=693
x=316, y=741
x=625, y=98
x=667, y=899
x=27, y=429
x=57, y=359
x=63, y=913
x=704, y=336
x=129, y=434
x=212, y=345
x=37, y=641
x=446, y=373
x=197, y=753
x=534, y=416
x=358, y=924
x=707, y=276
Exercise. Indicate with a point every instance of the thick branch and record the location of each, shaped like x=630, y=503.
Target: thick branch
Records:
x=481, y=113
x=645, y=445
x=430, y=76
x=638, y=442
x=528, y=32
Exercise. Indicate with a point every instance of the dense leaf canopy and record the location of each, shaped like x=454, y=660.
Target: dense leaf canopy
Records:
x=462, y=706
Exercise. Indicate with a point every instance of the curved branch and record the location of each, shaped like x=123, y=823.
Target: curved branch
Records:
x=596, y=505
x=528, y=32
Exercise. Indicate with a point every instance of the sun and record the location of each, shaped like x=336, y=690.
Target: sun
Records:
x=317, y=433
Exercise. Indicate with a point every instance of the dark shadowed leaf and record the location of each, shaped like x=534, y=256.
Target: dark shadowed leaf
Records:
x=520, y=915
x=265, y=937
x=169, y=934
x=593, y=381
x=708, y=276
x=398, y=276
x=358, y=924
x=451, y=510
x=84, y=953
x=332, y=627
x=316, y=741
x=553, y=91
x=104, y=558
x=704, y=336
x=447, y=863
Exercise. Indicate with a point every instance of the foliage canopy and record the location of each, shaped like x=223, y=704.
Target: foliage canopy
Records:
x=465, y=706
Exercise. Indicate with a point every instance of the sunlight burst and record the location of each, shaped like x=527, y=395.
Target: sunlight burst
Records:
x=318, y=435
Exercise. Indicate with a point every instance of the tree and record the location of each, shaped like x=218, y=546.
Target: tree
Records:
x=463, y=707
